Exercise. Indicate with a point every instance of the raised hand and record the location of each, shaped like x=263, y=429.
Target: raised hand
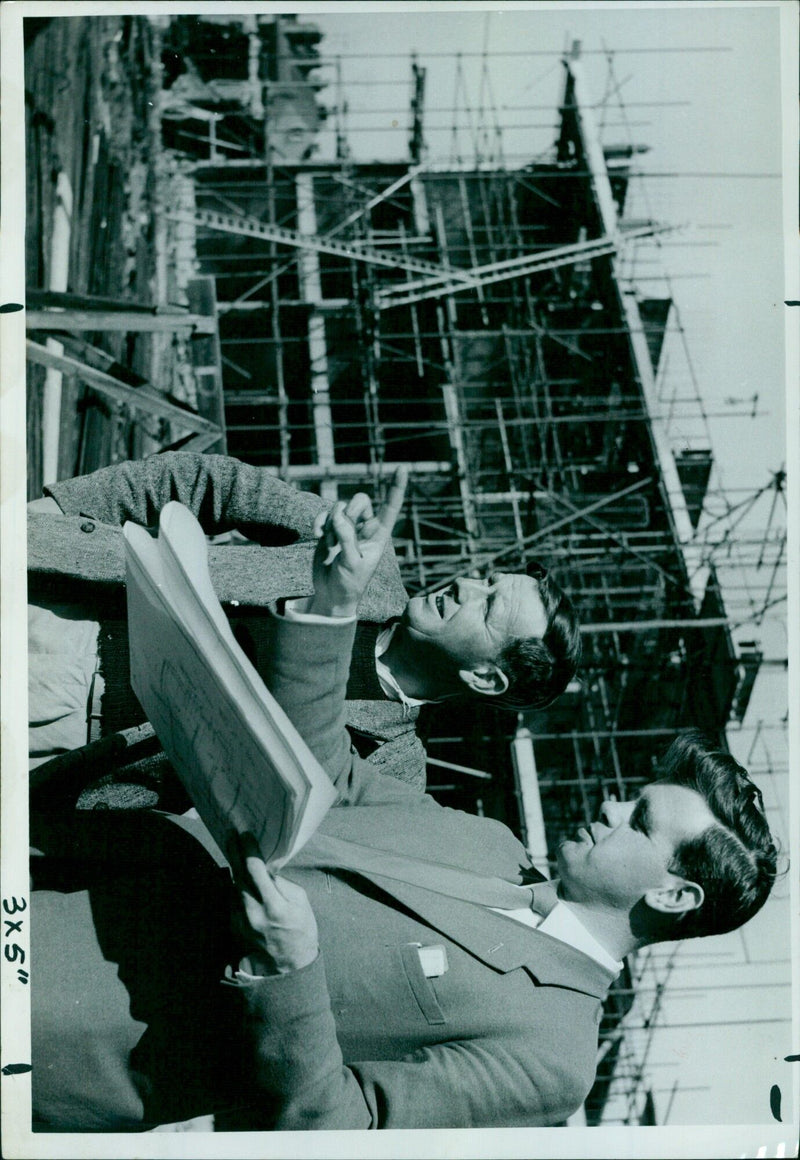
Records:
x=352, y=539
x=276, y=924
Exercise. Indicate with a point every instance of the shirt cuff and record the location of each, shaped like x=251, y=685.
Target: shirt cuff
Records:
x=245, y=978
x=241, y=977
x=296, y=610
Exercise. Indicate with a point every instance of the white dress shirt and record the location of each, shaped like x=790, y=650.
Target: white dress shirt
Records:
x=385, y=678
x=563, y=923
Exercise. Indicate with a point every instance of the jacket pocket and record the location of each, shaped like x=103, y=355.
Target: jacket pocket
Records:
x=420, y=985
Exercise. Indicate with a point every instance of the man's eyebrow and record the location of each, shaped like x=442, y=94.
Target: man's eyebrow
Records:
x=640, y=818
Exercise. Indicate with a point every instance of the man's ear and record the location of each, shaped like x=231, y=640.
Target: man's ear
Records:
x=487, y=679
x=678, y=897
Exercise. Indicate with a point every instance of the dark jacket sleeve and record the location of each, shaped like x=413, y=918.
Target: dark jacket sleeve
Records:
x=222, y=492
x=301, y=1080
x=306, y=672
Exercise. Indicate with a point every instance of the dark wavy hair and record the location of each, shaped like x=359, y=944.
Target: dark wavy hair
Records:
x=734, y=861
x=539, y=670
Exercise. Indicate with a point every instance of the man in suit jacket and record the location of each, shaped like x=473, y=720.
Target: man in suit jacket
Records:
x=427, y=652
x=395, y=974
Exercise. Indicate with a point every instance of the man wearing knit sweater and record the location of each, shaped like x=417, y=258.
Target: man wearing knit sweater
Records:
x=511, y=637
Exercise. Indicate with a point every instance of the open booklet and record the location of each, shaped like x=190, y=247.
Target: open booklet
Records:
x=243, y=763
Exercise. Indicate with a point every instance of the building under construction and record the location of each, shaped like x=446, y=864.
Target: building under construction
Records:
x=476, y=322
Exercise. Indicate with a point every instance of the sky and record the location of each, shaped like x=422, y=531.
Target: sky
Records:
x=705, y=96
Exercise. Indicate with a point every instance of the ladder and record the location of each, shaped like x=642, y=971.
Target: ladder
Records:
x=436, y=280
x=436, y=285
x=253, y=228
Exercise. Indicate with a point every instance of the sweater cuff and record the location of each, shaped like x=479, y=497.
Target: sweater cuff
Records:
x=296, y=610
x=61, y=493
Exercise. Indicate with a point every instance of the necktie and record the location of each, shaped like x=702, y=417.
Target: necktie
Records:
x=543, y=897
x=452, y=881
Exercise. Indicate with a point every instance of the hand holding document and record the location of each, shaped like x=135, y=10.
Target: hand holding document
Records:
x=243, y=763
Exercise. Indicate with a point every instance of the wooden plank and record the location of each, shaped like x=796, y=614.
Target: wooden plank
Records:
x=206, y=356
x=101, y=360
x=106, y=384
x=197, y=443
x=39, y=299
x=315, y=472
x=117, y=320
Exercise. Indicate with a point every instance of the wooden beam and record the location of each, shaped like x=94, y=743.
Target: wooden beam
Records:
x=106, y=384
x=314, y=472
x=117, y=320
x=666, y=622
x=40, y=299
x=206, y=358
x=198, y=442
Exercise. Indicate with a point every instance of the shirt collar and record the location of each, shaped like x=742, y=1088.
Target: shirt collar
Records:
x=387, y=682
x=563, y=923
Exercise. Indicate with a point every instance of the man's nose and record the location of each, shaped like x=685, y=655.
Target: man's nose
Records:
x=469, y=589
x=614, y=813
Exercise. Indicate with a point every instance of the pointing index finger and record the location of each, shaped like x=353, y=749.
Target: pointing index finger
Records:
x=394, y=501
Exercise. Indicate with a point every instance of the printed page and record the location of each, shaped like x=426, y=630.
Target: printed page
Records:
x=242, y=762
x=184, y=557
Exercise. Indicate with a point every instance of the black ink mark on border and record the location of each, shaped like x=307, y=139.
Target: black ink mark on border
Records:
x=792, y=1058
x=791, y=302
x=11, y=307
x=16, y=1068
x=775, y=1102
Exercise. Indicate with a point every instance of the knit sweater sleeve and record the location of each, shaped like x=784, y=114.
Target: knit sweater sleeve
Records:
x=223, y=493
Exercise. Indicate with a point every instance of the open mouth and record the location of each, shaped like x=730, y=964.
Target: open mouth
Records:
x=440, y=600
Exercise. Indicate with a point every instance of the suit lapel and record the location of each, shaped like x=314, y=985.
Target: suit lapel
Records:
x=500, y=942
x=473, y=844
x=414, y=826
